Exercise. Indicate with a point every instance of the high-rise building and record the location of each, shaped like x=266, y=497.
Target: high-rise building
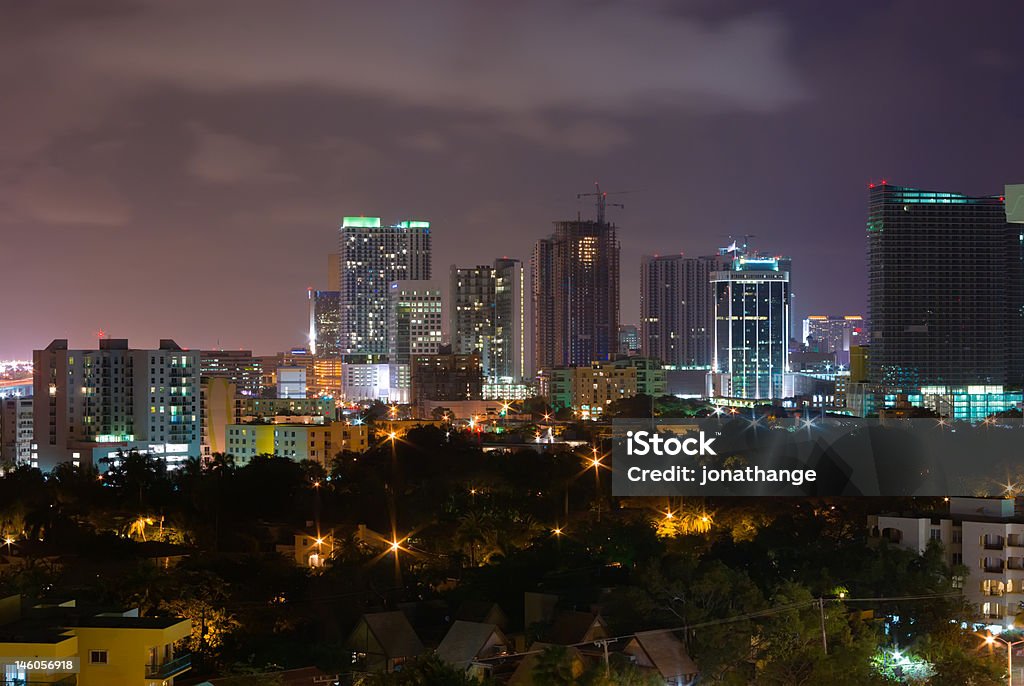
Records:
x=414, y=320
x=751, y=326
x=324, y=323
x=677, y=310
x=629, y=339
x=835, y=334
x=945, y=289
x=576, y=295
x=93, y=404
x=370, y=258
x=487, y=315
x=240, y=367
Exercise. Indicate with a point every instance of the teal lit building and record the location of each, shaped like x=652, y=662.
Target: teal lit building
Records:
x=752, y=323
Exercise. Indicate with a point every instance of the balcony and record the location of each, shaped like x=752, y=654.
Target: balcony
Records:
x=168, y=669
x=993, y=568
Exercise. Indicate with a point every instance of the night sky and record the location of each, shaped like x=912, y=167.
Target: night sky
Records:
x=178, y=169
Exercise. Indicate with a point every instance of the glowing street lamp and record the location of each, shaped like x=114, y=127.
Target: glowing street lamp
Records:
x=990, y=641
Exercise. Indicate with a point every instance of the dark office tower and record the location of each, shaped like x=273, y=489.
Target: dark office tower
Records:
x=325, y=323
x=677, y=309
x=370, y=258
x=752, y=326
x=487, y=316
x=944, y=271
x=576, y=295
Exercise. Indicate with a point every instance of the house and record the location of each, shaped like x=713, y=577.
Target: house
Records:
x=571, y=627
x=662, y=652
x=483, y=612
x=524, y=673
x=383, y=642
x=107, y=647
x=467, y=643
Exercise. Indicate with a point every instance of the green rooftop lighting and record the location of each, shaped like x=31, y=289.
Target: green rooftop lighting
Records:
x=361, y=222
x=414, y=224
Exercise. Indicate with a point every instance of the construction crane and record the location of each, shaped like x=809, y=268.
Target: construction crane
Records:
x=735, y=247
x=602, y=200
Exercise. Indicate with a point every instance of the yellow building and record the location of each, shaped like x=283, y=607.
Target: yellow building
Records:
x=588, y=390
x=296, y=440
x=103, y=649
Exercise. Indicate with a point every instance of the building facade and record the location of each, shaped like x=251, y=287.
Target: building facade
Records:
x=114, y=399
x=835, y=334
x=576, y=295
x=240, y=367
x=370, y=258
x=446, y=376
x=752, y=301
x=983, y=541
x=414, y=320
x=324, y=323
x=945, y=288
x=588, y=390
x=487, y=315
x=677, y=310
x=16, y=429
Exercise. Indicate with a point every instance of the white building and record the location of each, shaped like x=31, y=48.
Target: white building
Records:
x=16, y=430
x=986, y=536
x=388, y=383
x=291, y=382
x=114, y=399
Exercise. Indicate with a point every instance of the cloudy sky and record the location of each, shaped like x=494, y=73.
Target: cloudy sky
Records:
x=178, y=169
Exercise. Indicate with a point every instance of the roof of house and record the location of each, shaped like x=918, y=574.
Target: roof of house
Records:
x=572, y=627
x=667, y=653
x=393, y=632
x=465, y=640
x=480, y=611
x=523, y=674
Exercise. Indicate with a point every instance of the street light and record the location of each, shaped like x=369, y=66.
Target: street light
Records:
x=990, y=640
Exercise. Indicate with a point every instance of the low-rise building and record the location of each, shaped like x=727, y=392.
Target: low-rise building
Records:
x=588, y=390
x=318, y=442
x=16, y=430
x=103, y=648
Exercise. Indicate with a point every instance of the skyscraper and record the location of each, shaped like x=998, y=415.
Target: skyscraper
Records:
x=487, y=315
x=370, y=258
x=944, y=288
x=752, y=325
x=414, y=320
x=325, y=323
x=677, y=309
x=576, y=295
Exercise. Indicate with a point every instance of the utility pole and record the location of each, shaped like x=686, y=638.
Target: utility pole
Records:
x=824, y=637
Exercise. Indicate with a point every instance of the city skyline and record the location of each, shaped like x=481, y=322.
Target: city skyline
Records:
x=116, y=150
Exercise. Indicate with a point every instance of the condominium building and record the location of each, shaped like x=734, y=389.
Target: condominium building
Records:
x=835, y=334
x=446, y=376
x=576, y=295
x=983, y=542
x=370, y=258
x=487, y=316
x=946, y=289
x=324, y=323
x=588, y=390
x=677, y=309
x=414, y=320
x=16, y=431
x=318, y=442
x=96, y=404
